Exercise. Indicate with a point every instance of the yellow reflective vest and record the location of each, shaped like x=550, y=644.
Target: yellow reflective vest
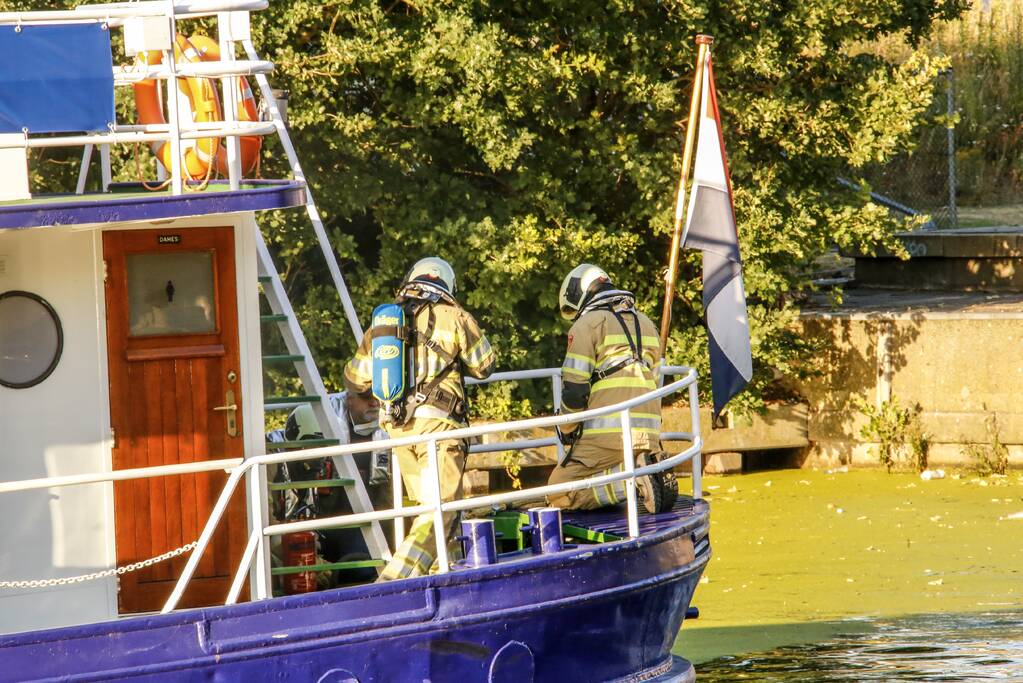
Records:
x=597, y=342
x=455, y=332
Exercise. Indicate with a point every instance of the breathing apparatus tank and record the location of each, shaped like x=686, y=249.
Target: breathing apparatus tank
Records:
x=389, y=355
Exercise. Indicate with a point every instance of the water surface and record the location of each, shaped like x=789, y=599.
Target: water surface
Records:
x=937, y=647
x=860, y=576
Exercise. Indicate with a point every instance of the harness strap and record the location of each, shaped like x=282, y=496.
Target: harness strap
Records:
x=634, y=347
x=432, y=393
x=400, y=331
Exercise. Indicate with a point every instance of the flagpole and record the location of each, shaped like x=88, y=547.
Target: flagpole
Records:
x=703, y=43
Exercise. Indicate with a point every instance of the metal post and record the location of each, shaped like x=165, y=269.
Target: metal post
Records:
x=172, y=105
x=438, y=515
x=104, y=155
x=398, y=494
x=703, y=44
x=694, y=416
x=556, y=395
x=204, y=540
x=950, y=109
x=83, y=170
x=230, y=83
x=239, y=578
x=258, y=514
x=630, y=483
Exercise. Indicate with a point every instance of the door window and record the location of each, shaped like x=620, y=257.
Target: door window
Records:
x=171, y=293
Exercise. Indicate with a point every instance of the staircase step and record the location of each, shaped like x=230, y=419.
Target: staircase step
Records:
x=282, y=402
x=313, y=484
x=304, y=443
x=284, y=358
x=273, y=318
x=352, y=564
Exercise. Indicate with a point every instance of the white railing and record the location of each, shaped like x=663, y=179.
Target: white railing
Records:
x=515, y=376
x=232, y=22
x=436, y=507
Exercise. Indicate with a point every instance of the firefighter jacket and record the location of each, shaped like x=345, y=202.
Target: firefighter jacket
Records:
x=455, y=335
x=597, y=342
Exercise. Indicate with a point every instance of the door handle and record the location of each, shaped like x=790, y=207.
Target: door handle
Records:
x=231, y=408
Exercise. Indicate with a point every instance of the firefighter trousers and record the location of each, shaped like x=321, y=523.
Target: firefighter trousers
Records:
x=417, y=552
x=589, y=460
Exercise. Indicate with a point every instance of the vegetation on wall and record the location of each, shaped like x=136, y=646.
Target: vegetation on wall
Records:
x=991, y=457
x=518, y=139
x=895, y=432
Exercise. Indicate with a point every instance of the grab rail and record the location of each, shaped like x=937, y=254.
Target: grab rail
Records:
x=120, y=475
x=115, y=13
x=232, y=28
x=238, y=468
x=436, y=506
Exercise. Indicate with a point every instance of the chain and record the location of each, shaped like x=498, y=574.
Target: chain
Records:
x=116, y=571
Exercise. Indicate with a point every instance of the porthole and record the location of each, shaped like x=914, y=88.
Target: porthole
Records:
x=31, y=339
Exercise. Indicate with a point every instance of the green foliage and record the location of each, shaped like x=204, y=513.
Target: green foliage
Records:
x=896, y=431
x=512, y=461
x=992, y=457
x=517, y=139
x=986, y=54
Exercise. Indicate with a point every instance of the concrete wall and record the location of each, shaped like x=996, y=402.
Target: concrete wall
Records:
x=959, y=366
x=62, y=426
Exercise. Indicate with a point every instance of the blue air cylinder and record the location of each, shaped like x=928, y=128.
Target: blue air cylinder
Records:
x=388, y=353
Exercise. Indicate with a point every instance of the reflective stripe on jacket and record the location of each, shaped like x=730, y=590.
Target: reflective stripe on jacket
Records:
x=456, y=332
x=597, y=342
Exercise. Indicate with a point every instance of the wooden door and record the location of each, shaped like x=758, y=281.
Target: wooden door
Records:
x=172, y=342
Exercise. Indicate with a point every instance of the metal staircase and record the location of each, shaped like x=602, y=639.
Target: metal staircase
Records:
x=283, y=315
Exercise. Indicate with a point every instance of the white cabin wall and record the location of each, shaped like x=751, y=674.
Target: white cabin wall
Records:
x=249, y=333
x=58, y=427
x=62, y=426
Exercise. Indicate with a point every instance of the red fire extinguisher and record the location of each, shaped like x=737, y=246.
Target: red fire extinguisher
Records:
x=326, y=473
x=299, y=551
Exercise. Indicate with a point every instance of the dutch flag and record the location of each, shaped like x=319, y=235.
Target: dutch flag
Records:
x=710, y=227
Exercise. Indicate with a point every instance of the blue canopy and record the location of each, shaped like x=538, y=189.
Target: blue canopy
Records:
x=56, y=78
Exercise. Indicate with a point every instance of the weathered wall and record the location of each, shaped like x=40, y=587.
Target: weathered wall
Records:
x=959, y=366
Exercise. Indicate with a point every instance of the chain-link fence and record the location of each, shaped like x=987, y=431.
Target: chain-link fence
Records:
x=923, y=180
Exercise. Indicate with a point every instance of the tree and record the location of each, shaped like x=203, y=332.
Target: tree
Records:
x=517, y=139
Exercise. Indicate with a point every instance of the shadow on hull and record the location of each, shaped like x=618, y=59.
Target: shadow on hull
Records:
x=605, y=612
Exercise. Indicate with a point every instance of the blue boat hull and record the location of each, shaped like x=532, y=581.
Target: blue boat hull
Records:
x=605, y=612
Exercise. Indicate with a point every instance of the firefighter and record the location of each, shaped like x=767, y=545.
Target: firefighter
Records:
x=611, y=357
x=445, y=342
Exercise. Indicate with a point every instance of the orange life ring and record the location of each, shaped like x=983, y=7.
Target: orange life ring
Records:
x=250, y=145
x=202, y=96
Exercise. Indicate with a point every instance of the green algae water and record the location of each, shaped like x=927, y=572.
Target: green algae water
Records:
x=862, y=575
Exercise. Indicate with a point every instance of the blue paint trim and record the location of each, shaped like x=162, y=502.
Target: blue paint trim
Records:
x=626, y=600
x=269, y=194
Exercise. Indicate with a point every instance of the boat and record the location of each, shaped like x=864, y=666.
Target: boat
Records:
x=137, y=543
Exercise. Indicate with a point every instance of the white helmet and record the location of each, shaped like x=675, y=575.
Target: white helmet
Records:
x=302, y=424
x=433, y=271
x=578, y=288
